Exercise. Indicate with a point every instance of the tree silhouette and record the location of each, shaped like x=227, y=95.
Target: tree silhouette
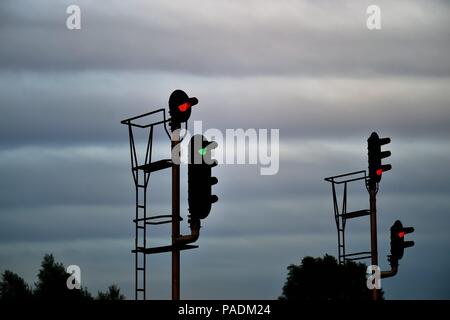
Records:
x=51, y=284
x=52, y=278
x=13, y=287
x=325, y=279
x=112, y=294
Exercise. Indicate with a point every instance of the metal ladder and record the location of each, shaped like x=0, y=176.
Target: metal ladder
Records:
x=141, y=177
x=342, y=215
x=140, y=225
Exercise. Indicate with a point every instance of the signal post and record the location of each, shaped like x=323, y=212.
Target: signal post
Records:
x=199, y=181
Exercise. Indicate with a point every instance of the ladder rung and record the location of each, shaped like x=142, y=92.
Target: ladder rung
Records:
x=141, y=185
x=157, y=223
x=140, y=227
x=140, y=206
x=355, y=214
x=142, y=269
x=160, y=219
x=140, y=289
x=161, y=249
x=155, y=166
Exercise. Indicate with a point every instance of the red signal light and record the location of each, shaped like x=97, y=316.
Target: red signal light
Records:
x=183, y=107
x=379, y=172
x=401, y=234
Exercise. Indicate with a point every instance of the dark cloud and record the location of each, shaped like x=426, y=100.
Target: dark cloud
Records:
x=86, y=108
x=226, y=38
x=101, y=175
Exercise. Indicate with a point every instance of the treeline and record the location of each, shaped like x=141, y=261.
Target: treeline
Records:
x=51, y=284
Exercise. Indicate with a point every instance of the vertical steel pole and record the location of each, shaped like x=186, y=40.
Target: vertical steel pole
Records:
x=373, y=231
x=175, y=216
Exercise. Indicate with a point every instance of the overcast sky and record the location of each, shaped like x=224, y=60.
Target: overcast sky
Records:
x=308, y=68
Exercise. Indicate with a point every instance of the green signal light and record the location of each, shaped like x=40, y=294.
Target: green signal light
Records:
x=202, y=151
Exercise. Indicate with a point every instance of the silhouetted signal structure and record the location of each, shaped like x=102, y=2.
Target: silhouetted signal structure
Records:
x=200, y=178
x=180, y=109
x=376, y=170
